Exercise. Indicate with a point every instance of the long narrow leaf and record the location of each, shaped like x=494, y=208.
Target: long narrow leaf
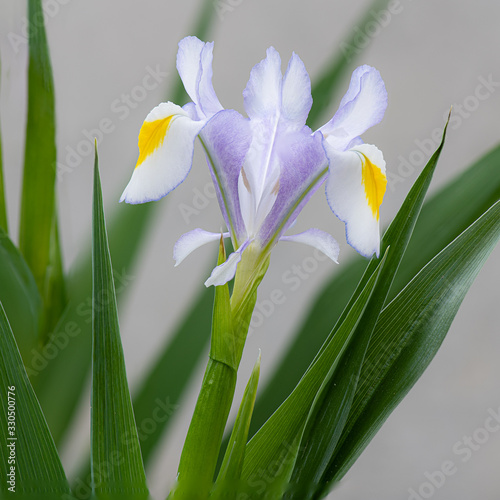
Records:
x=20, y=296
x=38, y=193
x=228, y=480
x=331, y=410
x=29, y=464
x=114, y=440
x=409, y=333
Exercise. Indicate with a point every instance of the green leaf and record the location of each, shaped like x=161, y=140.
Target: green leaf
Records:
x=267, y=449
x=327, y=84
x=114, y=441
x=331, y=408
x=449, y=212
x=202, y=445
x=28, y=451
x=38, y=205
x=226, y=486
x=3, y=201
x=20, y=296
x=409, y=333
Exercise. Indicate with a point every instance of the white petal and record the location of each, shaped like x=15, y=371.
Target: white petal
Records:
x=316, y=238
x=226, y=271
x=355, y=189
x=296, y=98
x=166, y=146
x=192, y=240
x=262, y=94
x=194, y=64
x=362, y=107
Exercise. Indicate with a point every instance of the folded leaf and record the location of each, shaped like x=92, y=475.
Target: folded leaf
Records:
x=228, y=480
x=3, y=201
x=116, y=462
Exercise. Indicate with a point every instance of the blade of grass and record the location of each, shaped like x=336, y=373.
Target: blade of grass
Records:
x=114, y=441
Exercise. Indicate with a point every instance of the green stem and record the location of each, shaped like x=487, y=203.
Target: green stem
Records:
x=201, y=448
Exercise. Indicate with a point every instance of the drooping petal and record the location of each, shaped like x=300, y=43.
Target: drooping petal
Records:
x=226, y=139
x=262, y=95
x=194, y=64
x=166, y=146
x=316, y=238
x=296, y=94
x=226, y=271
x=192, y=240
x=303, y=169
x=355, y=189
x=362, y=107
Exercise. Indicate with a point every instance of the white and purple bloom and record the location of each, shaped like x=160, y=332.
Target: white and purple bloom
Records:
x=266, y=167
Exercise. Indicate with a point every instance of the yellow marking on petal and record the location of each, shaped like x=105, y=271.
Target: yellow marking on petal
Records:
x=374, y=182
x=151, y=137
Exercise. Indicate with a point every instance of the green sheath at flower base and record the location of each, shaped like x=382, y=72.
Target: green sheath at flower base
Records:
x=204, y=437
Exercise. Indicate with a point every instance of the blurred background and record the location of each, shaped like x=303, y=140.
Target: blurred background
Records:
x=431, y=55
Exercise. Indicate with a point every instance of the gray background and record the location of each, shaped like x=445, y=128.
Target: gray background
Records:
x=430, y=54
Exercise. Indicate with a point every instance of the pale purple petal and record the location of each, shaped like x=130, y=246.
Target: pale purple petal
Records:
x=194, y=64
x=296, y=96
x=192, y=240
x=316, y=238
x=303, y=169
x=362, y=107
x=226, y=271
x=226, y=139
x=262, y=95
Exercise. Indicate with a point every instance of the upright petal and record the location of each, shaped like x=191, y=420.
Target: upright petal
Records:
x=316, y=238
x=262, y=95
x=192, y=240
x=166, y=146
x=296, y=95
x=304, y=167
x=194, y=64
x=226, y=139
x=355, y=189
x=362, y=106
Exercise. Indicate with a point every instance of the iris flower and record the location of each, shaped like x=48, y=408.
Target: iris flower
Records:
x=266, y=167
